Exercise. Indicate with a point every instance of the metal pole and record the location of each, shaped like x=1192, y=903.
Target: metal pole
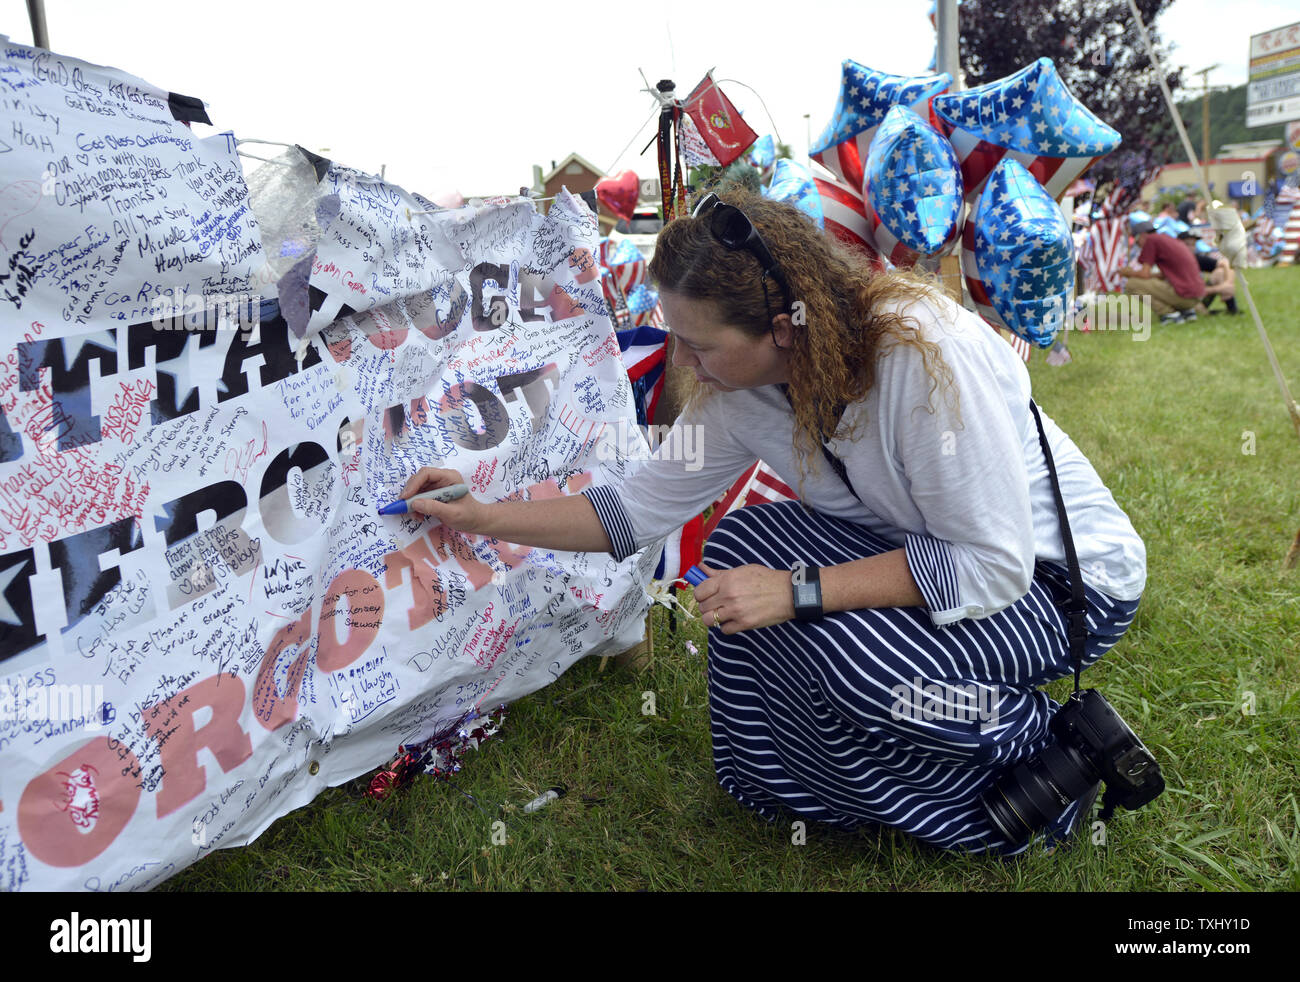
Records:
x=949, y=58
x=1205, y=125
x=40, y=33
x=1205, y=112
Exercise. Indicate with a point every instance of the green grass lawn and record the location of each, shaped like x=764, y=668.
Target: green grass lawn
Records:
x=1164, y=421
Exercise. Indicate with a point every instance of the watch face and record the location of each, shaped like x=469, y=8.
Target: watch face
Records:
x=805, y=595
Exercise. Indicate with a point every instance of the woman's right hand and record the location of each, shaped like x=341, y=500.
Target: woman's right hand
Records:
x=466, y=514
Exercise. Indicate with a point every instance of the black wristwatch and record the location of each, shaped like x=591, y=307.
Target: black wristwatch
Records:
x=805, y=581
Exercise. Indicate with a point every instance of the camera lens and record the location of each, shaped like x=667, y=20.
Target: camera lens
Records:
x=1034, y=793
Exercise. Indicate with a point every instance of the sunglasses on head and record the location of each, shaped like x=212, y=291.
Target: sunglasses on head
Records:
x=734, y=230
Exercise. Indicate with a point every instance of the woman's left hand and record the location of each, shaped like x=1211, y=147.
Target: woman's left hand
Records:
x=746, y=597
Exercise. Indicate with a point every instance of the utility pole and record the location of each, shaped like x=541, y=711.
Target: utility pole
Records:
x=40, y=33
x=807, y=123
x=1205, y=113
x=946, y=28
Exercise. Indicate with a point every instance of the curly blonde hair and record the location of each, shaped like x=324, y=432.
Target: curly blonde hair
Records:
x=849, y=312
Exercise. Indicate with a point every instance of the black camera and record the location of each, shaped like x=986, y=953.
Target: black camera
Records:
x=1091, y=744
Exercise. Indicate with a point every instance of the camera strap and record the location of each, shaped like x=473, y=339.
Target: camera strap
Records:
x=1077, y=610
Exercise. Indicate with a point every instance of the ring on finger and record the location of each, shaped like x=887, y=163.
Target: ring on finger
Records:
x=717, y=617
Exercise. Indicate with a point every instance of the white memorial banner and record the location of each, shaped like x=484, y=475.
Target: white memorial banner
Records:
x=203, y=620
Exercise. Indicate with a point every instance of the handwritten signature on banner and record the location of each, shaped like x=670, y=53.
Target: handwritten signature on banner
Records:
x=112, y=195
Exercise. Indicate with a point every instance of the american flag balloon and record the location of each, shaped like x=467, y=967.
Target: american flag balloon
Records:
x=642, y=303
x=1023, y=255
x=1030, y=117
x=627, y=269
x=913, y=189
x=979, y=297
x=866, y=95
x=793, y=182
x=844, y=214
x=763, y=153
x=620, y=252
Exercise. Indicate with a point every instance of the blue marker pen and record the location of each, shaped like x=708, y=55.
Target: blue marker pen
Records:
x=401, y=505
x=695, y=576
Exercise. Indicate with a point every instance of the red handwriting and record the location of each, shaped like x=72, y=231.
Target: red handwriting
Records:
x=338, y=273
x=58, y=493
x=240, y=459
x=607, y=349
x=124, y=415
x=80, y=798
x=483, y=474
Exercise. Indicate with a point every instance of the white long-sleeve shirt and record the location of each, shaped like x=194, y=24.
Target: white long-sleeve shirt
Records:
x=970, y=501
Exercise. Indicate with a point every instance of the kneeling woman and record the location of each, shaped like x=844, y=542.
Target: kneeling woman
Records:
x=927, y=522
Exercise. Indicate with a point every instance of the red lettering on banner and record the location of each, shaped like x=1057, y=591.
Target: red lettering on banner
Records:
x=171, y=723
x=429, y=599
x=445, y=541
x=483, y=474
x=240, y=459
x=607, y=349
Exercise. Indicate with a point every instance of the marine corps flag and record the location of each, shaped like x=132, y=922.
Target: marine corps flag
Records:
x=722, y=128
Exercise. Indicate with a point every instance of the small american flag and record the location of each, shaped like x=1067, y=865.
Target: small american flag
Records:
x=645, y=351
x=682, y=550
x=1103, y=255
x=758, y=485
x=1287, y=199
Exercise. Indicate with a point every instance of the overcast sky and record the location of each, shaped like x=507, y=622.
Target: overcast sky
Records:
x=469, y=96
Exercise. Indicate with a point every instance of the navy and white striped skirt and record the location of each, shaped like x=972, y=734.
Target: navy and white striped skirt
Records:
x=809, y=716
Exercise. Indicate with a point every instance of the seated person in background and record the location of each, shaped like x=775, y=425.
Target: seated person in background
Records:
x=1220, y=278
x=1168, y=273
x=1192, y=211
x=1166, y=218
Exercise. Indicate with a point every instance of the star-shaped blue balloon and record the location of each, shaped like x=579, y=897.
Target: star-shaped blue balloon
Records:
x=1030, y=111
x=1024, y=253
x=914, y=184
x=763, y=153
x=642, y=299
x=866, y=95
x=793, y=182
x=623, y=252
